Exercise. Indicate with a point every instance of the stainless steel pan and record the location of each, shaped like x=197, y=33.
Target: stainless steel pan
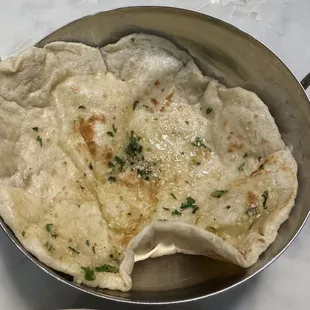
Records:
x=235, y=58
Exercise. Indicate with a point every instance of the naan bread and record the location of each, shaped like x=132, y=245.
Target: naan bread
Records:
x=113, y=156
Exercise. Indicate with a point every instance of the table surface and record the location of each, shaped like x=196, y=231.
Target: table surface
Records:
x=283, y=25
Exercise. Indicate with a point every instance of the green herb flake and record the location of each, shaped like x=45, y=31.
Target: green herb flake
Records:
x=198, y=142
x=190, y=203
x=129, y=213
x=112, y=179
x=94, y=248
x=245, y=155
x=218, y=193
x=51, y=229
x=82, y=107
x=144, y=174
x=120, y=161
x=35, y=129
x=228, y=207
x=173, y=196
x=107, y=268
x=134, y=148
x=39, y=139
x=241, y=167
x=209, y=110
x=187, y=122
x=49, y=247
x=135, y=104
x=23, y=233
x=110, y=164
x=73, y=250
x=176, y=213
x=110, y=133
x=89, y=274
x=265, y=198
x=111, y=256
x=167, y=209
x=114, y=128
x=87, y=242
x=91, y=166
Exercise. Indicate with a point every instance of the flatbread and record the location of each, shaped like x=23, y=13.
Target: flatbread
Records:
x=111, y=157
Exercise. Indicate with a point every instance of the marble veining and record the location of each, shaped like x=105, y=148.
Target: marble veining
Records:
x=283, y=26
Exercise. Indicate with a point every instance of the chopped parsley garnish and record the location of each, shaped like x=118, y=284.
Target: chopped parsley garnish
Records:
x=135, y=105
x=110, y=133
x=129, y=213
x=89, y=274
x=23, y=233
x=209, y=110
x=82, y=187
x=87, y=242
x=133, y=148
x=218, y=193
x=73, y=250
x=145, y=174
x=35, y=129
x=199, y=142
x=110, y=164
x=39, y=139
x=91, y=166
x=245, y=155
x=241, y=167
x=173, y=196
x=167, y=209
x=107, y=268
x=94, y=249
x=265, y=198
x=51, y=229
x=190, y=203
x=82, y=107
x=187, y=122
x=114, y=128
x=111, y=256
x=176, y=213
x=49, y=246
x=228, y=207
x=112, y=179
x=120, y=161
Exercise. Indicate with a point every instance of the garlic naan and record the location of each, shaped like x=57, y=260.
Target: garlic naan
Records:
x=112, y=156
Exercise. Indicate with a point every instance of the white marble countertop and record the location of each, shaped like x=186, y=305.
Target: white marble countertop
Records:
x=283, y=25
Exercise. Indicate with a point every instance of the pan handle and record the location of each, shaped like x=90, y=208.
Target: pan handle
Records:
x=305, y=82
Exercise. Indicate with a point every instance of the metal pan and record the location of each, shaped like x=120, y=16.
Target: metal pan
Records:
x=235, y=58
